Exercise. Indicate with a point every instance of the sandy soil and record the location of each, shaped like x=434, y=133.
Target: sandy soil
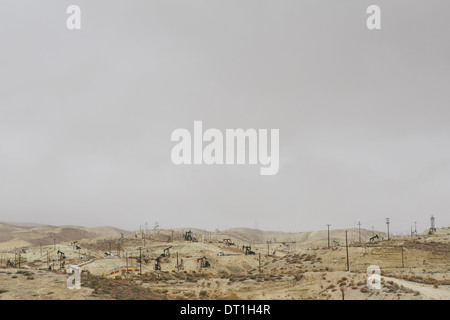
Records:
x=412, y=267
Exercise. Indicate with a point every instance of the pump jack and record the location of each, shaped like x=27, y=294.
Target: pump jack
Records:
x=166, y=252
x=248, y=250
x=63, y=257
x=157, y=265
x=228, y=242
x=188, y=236
x=204, y=263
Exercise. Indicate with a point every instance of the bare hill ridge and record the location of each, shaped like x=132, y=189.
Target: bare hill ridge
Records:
x=30, y=234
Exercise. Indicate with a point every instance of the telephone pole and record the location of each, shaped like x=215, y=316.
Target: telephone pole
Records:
x=403, y=264
x=260, y=262
x=359, y=230
x=433, y=227
x=328, y=225
x=387, y=223
x=140, y=261
x=346, y=246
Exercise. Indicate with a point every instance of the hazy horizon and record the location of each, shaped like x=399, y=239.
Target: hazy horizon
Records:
x=350, y=228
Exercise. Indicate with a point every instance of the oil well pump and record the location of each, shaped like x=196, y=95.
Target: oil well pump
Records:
x=166, y=252
x=248, y=250
x=204, y=263
x=62, y=258
x=189, y=237
x=228, y=242
x=157, y=264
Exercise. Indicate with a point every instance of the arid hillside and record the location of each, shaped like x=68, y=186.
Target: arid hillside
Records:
x=232, y=264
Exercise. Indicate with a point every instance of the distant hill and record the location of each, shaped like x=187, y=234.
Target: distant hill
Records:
x=15, y=235
x=312, y=238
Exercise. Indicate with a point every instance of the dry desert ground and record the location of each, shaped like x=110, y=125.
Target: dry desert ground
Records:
x=168, y=264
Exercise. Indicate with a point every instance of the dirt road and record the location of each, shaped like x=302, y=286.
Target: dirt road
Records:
x=426, y=290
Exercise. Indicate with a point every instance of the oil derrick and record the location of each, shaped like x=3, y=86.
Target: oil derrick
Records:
x=432, y=227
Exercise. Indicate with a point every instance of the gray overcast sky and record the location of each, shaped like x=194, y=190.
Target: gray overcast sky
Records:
x=86, y=116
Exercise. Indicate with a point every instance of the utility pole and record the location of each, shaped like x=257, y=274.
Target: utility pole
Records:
x=403, y=264
x=40, y=246
x=178, y=265
x=126, y=258
x=387, y=223
x=328, y=225
x=140, y=261
x=359, y=230
x=346, y=246
x=433, y=227
x=260, y=262
x=415, y=228
x=373, y=232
